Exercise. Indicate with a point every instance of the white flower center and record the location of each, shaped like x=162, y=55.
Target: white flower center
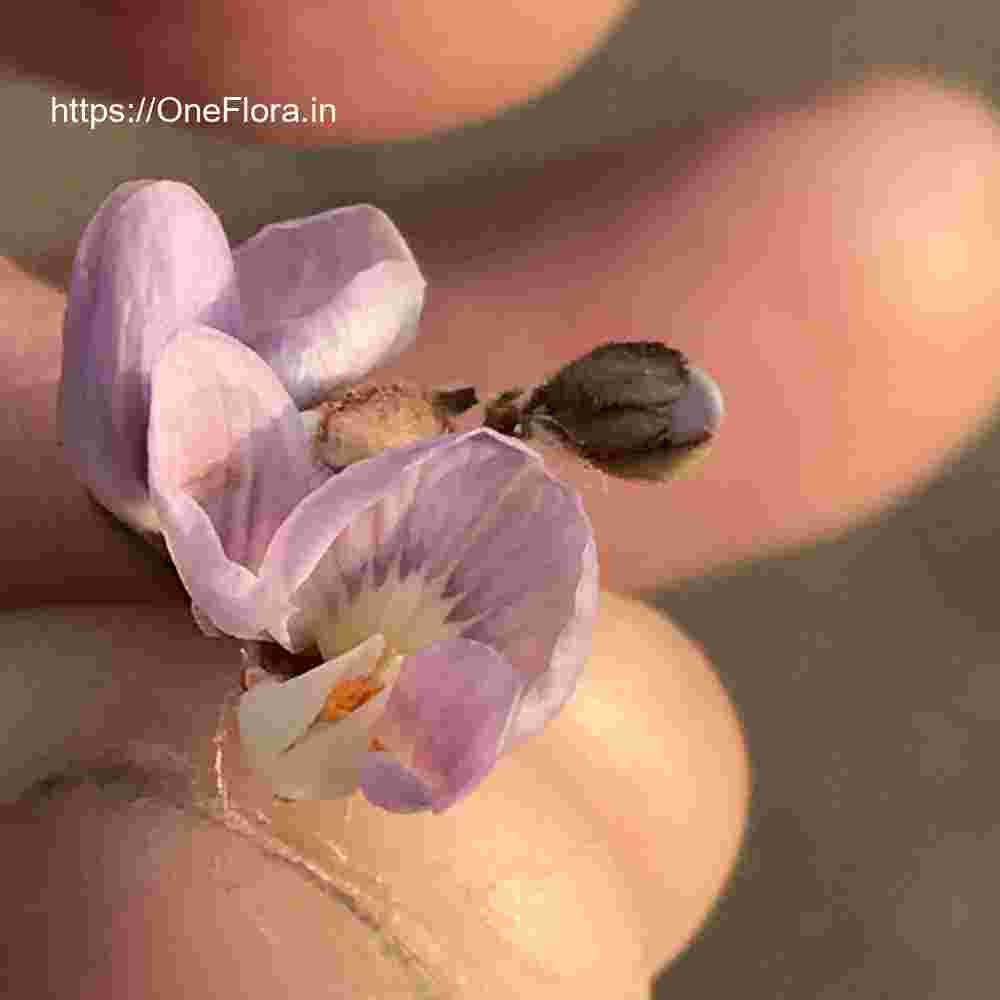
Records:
x=411, y=613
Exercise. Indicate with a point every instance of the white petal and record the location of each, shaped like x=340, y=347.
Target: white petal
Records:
x=329, y=762
x=273, y=717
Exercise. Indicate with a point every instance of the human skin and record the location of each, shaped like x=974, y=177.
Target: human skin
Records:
x=392, y=69
x=832, y=264
x=583, y=863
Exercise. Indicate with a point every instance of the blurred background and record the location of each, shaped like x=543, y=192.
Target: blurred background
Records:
x=871, y=700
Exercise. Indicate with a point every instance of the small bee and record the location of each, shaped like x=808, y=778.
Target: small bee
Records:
x=634, y=410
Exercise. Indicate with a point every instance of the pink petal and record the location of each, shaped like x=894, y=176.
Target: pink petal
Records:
x=153, y=258
x=308, y=534
x=477, y=516
x=328, y=298
x=443, y=726
x=545, y=696
x=228, y=460
x=527, y=586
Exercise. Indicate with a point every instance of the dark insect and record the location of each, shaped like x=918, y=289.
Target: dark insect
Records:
x=616, y=401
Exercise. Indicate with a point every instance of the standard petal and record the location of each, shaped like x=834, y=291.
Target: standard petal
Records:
x=466, y=536
x=154, y=258
x=328, y=298
x=525, y=583
x=228, y=460
x=308, y=534
x=300, y=757
x=444, y=726
x=545, y=696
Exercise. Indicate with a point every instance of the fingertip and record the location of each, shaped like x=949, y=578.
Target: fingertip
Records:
x=838, y=278
x=391, y=69
x=832, y=264
x=145, y=898
x=861, y=351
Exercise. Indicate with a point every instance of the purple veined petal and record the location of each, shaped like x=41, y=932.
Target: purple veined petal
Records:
x=228, y=460
x=467, y=537
x=443, y=726
x=393, y=510
x=328, y=298
x=309, y=532
x=525, y=584
x=303, y=758
x=153, y=258
x=546, y=695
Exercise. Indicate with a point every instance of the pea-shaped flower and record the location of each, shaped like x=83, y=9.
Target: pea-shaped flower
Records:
x=447, y=588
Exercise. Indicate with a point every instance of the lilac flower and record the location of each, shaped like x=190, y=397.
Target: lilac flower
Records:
x=448, y=587
x=322, y=300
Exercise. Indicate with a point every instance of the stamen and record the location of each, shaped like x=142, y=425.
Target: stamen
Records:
x=348, y=695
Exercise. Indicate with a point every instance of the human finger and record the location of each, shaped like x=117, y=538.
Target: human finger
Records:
x=391, y=69
x=586, y=860
x=831, y=264
x=57, y=543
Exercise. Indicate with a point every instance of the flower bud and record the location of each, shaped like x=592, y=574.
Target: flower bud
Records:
x=634, y=410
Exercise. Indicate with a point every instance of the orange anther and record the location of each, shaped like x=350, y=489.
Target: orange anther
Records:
x=346, y=696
